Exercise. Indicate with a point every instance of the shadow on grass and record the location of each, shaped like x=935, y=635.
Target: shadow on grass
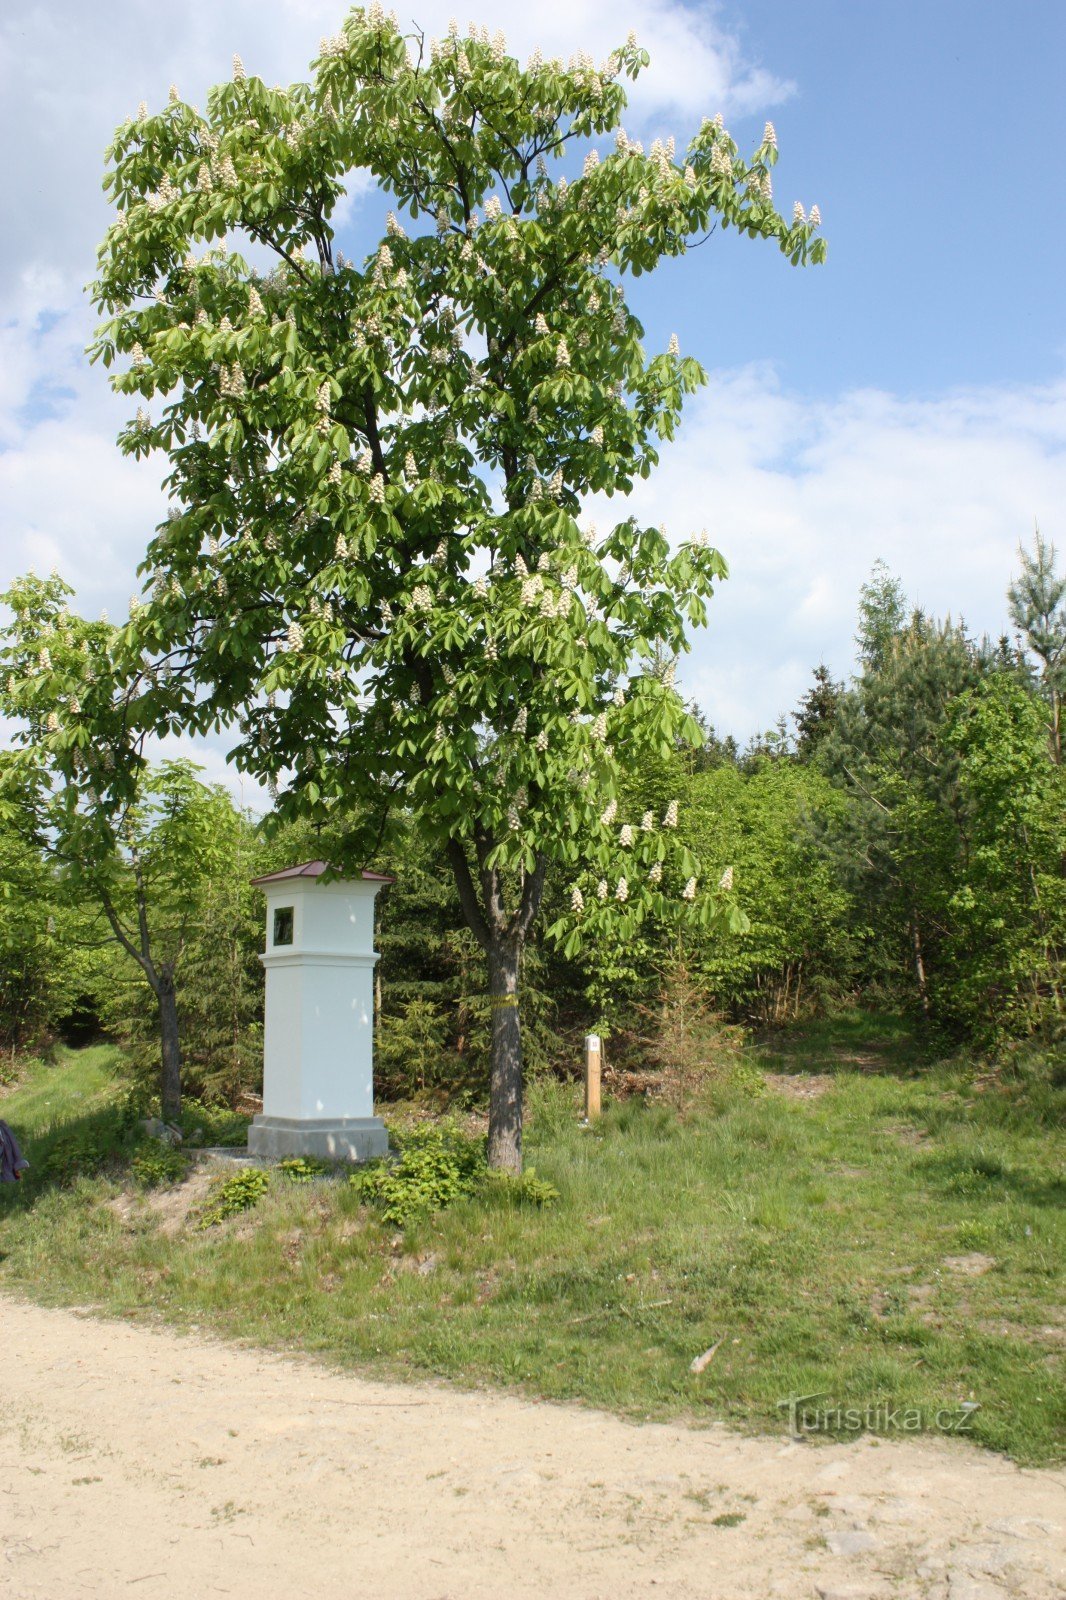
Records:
x=871, y=1043
x=976, y=1174
x=108, y=1142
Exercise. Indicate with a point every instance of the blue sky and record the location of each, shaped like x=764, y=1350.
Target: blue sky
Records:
x=907, y=400
x=928, y=134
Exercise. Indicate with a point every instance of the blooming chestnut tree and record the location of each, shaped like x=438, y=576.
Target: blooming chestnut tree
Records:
x=375, y=566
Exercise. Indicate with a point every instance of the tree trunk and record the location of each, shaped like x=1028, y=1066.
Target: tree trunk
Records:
x=919, y=965
x=505, y=1102
x=168, y=1026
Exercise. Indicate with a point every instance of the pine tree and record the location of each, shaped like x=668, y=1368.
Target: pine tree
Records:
x=1037, y=601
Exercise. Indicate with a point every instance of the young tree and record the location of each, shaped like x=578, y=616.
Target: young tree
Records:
x=374, y=562
x=882, y=617
x=137, y=843
x=816, y=712
x=898, y=844
x=1037, y=602
x=1007, y=954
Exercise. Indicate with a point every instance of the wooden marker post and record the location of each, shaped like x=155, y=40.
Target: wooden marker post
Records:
x=592, y=1076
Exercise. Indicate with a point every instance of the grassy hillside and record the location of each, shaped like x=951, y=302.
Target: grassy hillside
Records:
x=876, y=1231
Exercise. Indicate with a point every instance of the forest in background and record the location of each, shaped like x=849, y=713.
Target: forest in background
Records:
x=898, y=842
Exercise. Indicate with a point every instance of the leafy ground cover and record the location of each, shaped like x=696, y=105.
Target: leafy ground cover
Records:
x=872, y=1227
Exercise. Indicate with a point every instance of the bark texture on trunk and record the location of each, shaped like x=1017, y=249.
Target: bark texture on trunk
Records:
x=502, y=935
x=919, y=965
x=170, y=1083
x=505, y=1099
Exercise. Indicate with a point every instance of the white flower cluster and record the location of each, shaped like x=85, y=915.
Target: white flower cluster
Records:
x=609, y=813
x=722, y=160
x=521, y=720
x=689, y=891
x=231, y=380
x=256, y=308
x=655, y=874
x=725, y=882
x=602, y=890
x=577, y=900
x=377, y=490
x=596, y=436
x=238, y=70
x=294, y=636
x=670, y=815
x=421, y=598
x=493, y=209
x=542, y=740
x=598, y=727
x=323, y=398
x=335, y=475
x=340, y=546
x=815, y=218
x=562, y=354
x=798, y=213
x=335, y=46
x=625, y=837
x=769, y=136
x=622, y=891
x=673, y=348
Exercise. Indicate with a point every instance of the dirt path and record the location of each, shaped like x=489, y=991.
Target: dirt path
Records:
x=140, y=1462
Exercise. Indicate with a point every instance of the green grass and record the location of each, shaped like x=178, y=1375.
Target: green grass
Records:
x=816, y=1240
x=69, y=1085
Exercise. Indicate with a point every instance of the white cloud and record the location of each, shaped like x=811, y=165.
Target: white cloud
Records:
x=803, y=497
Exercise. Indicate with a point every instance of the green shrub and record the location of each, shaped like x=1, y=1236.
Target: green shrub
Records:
x=522, y=1189
x=153, y=1165
x=745, y=1079
x=231, y=1196
x=302, y=1169
x=219, y=1125
x=437, y=1166
x=82, y=1153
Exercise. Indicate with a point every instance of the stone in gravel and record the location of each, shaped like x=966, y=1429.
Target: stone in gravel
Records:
x=852, y=1542
x=991, y=1559
x=962, y=1587
x=1020, y=1527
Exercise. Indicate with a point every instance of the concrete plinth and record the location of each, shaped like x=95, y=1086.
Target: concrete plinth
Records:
x=325, y=1138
